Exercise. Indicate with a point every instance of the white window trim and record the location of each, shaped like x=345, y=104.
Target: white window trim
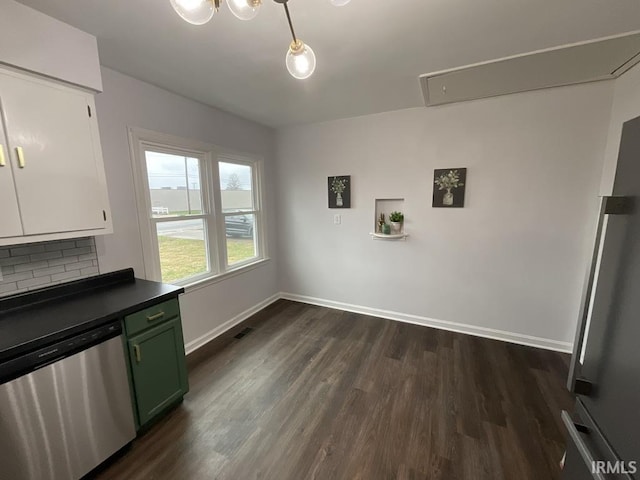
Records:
x=139, y=141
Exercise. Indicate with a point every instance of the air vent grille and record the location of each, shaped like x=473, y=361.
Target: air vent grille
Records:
x=244, y=332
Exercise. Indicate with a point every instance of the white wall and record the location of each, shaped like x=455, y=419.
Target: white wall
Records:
x=510, y=264
x=127, y=102
x=626, y=105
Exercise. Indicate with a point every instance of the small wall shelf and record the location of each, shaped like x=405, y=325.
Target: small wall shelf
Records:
x=382, y=236
x=386, y=206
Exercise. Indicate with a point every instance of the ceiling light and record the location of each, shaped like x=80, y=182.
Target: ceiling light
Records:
x=244, y=9
x=300, y=59
x=196, y=12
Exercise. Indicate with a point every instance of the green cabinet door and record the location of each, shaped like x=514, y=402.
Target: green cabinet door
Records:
x=158, y=368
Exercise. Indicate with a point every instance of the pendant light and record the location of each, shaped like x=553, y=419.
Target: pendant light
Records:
x=244, y=9
x=300, y=59
x=196, y=12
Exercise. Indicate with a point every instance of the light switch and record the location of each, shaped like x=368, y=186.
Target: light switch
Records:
x=337, y=219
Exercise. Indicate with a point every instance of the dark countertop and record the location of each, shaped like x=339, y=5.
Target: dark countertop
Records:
x=38, y=318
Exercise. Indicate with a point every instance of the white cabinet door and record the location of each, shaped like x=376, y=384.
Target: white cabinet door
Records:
x=10, y=225
x=53, y=149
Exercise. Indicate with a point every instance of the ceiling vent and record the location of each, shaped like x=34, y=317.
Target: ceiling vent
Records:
x=601, y=59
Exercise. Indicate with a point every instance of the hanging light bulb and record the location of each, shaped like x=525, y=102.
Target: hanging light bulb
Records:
x=339, y=3
x=301, y=61
x=196, y=12
x=244, y=9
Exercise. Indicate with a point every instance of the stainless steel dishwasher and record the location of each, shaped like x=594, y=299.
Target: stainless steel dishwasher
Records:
x=65, y=408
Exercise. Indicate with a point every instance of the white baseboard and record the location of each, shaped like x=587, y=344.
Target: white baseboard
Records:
x=502, y=335
x=220, y=329
x=518, y=338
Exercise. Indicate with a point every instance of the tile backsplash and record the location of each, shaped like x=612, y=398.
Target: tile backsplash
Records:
x=37, y=265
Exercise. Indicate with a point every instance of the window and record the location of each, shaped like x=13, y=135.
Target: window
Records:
x=238, y=208
x=199, y=208
x=174, y=184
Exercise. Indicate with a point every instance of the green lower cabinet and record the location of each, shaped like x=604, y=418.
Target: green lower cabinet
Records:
x=158, y=369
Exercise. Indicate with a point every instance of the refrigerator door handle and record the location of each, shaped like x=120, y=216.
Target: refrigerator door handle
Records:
x=580, y=444
x=608, y=206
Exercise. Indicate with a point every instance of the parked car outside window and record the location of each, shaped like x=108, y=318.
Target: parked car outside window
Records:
x=239, y=226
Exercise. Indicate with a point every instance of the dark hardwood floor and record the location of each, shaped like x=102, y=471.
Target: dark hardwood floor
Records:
x=314, y=393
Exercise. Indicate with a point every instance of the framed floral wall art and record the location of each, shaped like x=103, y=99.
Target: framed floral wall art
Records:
x=449, y=186
x=339, y=192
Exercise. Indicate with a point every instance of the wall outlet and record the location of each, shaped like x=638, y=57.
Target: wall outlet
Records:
x=337, y=219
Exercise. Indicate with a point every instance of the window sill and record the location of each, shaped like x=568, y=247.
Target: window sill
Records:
x=247, y=267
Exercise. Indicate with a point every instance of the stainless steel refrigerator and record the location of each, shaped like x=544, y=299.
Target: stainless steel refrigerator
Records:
x=603, y=440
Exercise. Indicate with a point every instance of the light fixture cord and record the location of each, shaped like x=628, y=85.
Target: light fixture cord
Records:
x=293, y=33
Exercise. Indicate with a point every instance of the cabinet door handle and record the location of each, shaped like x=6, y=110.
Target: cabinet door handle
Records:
x=3, y=161
x=138, y=354
x=157, y=316
x=20, y=153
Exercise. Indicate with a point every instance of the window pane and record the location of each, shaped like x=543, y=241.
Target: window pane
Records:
x=235, y=187
x=183, y=252
x=174, y=184
x=241, y=244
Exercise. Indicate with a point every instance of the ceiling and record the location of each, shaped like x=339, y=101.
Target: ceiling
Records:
x=369, y=52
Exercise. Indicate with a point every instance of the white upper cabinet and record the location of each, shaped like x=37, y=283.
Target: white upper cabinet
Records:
x=52, y=179
x=53, y=183
x=10, y=225
x=54, y=157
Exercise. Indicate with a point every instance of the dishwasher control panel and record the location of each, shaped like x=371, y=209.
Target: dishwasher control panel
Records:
x=44, y=356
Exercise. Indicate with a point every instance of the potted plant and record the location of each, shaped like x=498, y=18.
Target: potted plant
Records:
x=396, y=219
x=383, y=226
x=448, y=181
